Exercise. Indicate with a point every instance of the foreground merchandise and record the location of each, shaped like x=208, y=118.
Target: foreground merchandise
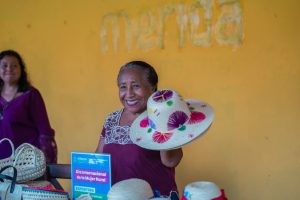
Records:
x=29, y=161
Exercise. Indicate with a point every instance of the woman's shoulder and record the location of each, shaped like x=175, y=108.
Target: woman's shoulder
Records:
x=115, y=113
x=33, y=92
x=113, y=118
x=29, y=92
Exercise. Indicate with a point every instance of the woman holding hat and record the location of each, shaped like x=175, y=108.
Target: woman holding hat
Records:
x=137, y=80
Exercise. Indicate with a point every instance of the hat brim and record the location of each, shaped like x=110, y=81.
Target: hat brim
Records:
x=143, y=138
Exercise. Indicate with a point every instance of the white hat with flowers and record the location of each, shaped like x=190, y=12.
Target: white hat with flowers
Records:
x=170, y=121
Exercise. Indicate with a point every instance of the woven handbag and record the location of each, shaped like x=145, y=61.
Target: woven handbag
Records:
x=29, y=161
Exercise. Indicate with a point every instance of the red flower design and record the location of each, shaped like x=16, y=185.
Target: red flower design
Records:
x=183, y=198
x=196, y=117
x=222, y=197
x=144, y=123
x=159, y=137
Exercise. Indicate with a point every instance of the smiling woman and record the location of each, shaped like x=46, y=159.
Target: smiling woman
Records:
x=137, y=80
x=23, y=116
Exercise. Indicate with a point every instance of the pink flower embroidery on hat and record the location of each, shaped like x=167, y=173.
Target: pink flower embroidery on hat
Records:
x=222, y=197
x=162, y=96
x=196, y=117
x=177, y=120
x=184, y=198
x=161, y=137
x=144, y=122
x=186, y=195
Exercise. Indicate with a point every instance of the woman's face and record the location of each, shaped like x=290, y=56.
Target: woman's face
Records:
x=134, y=90
x=10, y=70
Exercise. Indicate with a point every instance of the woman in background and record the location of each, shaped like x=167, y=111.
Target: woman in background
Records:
x=137, y=80
x=23, y=116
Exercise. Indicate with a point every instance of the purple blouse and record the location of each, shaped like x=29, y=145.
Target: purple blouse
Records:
x=132, y=161
x=24, y=119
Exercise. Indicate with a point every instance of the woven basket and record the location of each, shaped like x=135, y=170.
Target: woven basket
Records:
x=10, y=160
x=29, y=161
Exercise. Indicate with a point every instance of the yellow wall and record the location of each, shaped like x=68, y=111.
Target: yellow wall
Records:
x=252, y=80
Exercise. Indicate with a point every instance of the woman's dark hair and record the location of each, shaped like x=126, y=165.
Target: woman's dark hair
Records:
x=24, y=83
x=150, y=73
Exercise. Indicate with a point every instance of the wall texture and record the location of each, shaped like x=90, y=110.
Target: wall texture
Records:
x=240, y=56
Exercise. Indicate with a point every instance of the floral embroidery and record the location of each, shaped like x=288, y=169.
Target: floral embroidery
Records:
x=182, y=128
x=161, y=137
x=196, y=117
x=151, y=123
x=114, y=133
x=176, y=120
x=163, y=95
x=170, y=103
x=186, y=196
x=191, y=108
x=144, y=123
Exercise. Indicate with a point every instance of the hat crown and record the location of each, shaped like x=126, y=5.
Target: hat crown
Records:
x=130, y=189
x=167, y=111
x=202, y=190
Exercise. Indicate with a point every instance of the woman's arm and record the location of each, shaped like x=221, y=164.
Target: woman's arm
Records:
x=171, y=158
x=101, y=142
x=100, y=145
x=46, y=140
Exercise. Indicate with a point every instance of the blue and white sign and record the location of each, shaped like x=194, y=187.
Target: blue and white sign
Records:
x=91, y=175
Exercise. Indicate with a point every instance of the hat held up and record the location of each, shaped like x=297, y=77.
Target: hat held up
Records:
x=170, y=121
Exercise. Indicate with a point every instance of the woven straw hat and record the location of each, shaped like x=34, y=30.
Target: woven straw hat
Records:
x=130, y=189
x=170, y=121
x=201, y=190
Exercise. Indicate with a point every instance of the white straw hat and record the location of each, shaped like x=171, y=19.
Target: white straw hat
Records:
x=130, y=189
x=201, y=190
x=170, y=121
